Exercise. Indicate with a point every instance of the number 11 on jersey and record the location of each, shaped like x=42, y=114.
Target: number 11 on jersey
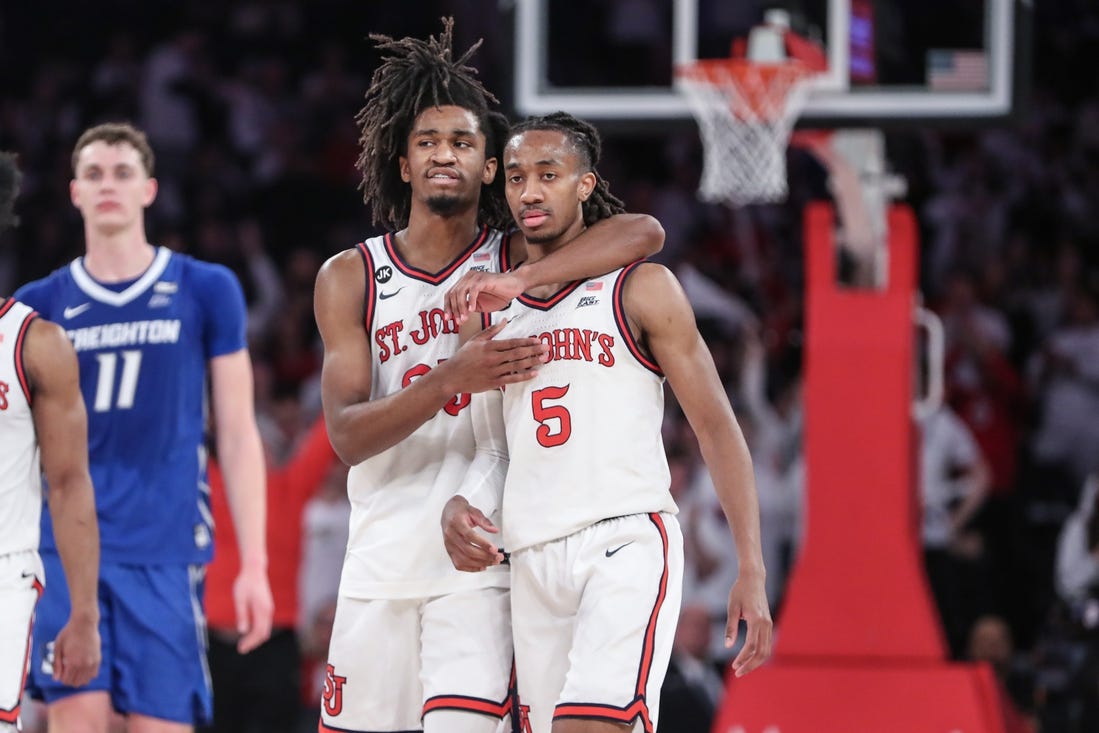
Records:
x=127, y=385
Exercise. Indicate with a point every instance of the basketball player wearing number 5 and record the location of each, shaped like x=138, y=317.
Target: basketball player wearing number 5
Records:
x=596, y=551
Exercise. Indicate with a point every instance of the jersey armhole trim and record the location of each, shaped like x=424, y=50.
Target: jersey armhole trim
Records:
x=623, y=324
x=369, y=295
x=20, y=366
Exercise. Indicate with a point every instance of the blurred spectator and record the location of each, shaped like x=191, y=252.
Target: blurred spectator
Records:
x=1067, y=374
x=990, y=641
x=954, y=480
x=259, y=692
x=1077, y=580
x=692, y=688
x=324, y=529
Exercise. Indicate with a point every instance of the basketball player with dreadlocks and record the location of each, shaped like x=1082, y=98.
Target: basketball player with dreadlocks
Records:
x=596, y=553
x=43, y=428
x=417, y=645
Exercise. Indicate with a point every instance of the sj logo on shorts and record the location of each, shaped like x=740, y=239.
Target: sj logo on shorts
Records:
x=333, y=691
x=524, y=719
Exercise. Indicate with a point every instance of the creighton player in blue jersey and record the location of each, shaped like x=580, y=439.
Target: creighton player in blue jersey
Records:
x=147, y=324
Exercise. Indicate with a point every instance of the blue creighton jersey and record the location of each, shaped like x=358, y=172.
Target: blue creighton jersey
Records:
x=143, y=347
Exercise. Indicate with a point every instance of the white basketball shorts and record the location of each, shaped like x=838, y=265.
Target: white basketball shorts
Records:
x=21, y=582
x=440, y=664
x=594, y=617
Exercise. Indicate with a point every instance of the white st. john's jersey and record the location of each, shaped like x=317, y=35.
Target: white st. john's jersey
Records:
x=395, y=546
x=583, y=436
x=20, y=469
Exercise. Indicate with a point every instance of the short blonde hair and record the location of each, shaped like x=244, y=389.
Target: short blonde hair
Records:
x=114, y=133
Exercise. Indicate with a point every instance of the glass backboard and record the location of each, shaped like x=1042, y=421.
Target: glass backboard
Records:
x=890, y=61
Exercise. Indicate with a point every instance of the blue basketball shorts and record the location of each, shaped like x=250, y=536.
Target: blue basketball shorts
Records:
x=153, y=631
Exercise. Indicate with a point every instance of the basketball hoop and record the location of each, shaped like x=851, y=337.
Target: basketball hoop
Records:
x=745, y=111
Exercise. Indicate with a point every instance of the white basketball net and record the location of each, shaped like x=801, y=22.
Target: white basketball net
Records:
x=745, y=113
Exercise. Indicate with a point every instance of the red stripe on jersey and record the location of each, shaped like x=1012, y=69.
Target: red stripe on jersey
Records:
x=544, y=304
x=471, y=704
x=437, y=277
x=505, y=252
x=371, y=288
x=20, y=368
x=8, y=303
x=624, y=324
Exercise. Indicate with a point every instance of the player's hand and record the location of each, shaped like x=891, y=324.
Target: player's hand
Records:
x=254, y=607
x=469, y=550
x=76, y=652
x=748, y=601
x=482, y=291
x=485, y=362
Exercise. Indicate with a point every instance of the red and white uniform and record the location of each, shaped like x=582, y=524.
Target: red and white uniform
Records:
x=583, y=436
x=587, y=514
x=411, y=633
x=21, y=575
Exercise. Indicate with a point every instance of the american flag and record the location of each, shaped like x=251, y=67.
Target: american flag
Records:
x=594, y=286
x=481, y=256
x=957, y=71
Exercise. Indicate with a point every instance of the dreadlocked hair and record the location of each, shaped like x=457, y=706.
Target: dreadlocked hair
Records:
x=9, y=188
x=416, y=74
x=588, y=146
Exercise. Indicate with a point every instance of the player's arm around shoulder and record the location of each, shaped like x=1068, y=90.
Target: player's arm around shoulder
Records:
x=658, y=310
x=61, y=423
x=603, y=247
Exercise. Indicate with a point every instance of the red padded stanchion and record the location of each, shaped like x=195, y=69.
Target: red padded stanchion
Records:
x=859, y=648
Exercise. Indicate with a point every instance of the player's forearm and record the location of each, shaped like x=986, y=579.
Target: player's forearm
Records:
x=240, y=454
x=483, y=484
x=72, y=509
x=726, y=455
x=604, y=246
x=361, y=430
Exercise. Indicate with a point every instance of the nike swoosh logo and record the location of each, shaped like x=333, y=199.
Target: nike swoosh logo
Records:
x=383, y=296
x=27, y=575
x=76, y=310
x=615, y=550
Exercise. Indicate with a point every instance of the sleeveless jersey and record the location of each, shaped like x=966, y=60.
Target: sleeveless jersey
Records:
x=143, y=348
x=395, y=545
x=20, y=470
x=584, y=435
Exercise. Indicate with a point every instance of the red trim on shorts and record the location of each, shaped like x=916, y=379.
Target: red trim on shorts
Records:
x=12, y=715
x=639, y=708
x=322, y=728
x=469, y=704
x=636, y=709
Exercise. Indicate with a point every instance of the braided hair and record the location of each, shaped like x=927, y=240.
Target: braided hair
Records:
x=586, y=143
x=416, y=74
x=9, y=188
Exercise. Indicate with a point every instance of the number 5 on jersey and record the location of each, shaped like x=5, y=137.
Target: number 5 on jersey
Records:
x=543, y=413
